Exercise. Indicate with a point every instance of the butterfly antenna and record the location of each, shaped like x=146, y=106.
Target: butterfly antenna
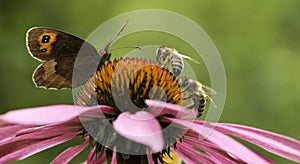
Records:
x=136, y=47
x=116, y=35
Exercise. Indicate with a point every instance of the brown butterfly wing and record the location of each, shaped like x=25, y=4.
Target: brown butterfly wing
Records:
x=57, y=73
x=63, y=53
x=47, y=76
x=45, y=43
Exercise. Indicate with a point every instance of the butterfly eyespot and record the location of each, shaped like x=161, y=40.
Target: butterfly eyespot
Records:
x=46, y=39
x=44, y=50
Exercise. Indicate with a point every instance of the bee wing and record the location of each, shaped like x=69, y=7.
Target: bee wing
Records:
x=186, y=57
x=209, y=89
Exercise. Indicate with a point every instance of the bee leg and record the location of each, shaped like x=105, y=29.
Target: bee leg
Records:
x=187, y=97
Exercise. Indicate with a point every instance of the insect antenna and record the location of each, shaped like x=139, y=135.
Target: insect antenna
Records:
x=104, y=52
x=136, y=47
x=115, y=36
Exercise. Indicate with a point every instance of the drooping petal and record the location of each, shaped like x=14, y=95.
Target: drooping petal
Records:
x=38, y=133
x=189, y=155
x=29, y=141
x=278, y=144
x=159, y=108
x=114, y=158
x=67, y=155
x=149, y=159
x=47, y=114
x=25, y=148
x=9, y=130
x=92, y=158
x=41, y=115
x=212, y=150
x=141, y=127
x=226, y=143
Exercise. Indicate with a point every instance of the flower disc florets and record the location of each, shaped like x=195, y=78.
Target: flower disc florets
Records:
x=125, y=84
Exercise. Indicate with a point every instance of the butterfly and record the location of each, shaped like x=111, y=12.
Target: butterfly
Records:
x=63, y=54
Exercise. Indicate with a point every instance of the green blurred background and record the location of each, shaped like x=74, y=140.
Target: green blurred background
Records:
x=259, y=42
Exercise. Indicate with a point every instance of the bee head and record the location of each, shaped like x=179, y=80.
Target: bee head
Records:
x=176, y=71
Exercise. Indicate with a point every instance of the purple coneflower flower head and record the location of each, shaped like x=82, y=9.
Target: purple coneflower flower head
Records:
x=140, y=120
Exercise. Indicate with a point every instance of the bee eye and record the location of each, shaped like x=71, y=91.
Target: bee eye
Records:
x=176, y=72
x=185, y=83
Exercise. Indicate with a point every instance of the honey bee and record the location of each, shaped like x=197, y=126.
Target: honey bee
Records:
x=195, y=94
x=170, y=56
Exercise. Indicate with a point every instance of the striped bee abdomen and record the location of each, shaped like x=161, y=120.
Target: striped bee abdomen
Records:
x=177, y=65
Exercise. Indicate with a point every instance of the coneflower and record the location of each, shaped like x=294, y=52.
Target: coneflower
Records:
x=131, y=111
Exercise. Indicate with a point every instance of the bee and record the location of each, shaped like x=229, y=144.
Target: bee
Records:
x=170, y=56
x=195, y=94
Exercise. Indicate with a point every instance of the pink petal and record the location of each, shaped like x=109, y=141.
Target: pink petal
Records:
x=226, y=143
x=141, y=127
x=67, y=155
x=278, y=144
x=189, y=155
x=3, y=123
x=159, y=108
x=217, y=155
x=33, y=140
x=102, y=159
x=211, y=149
x=41, y=115
x=10, y=130
x=22, y=149
x=38, y=133
x=47, y=114
x=114, y=158
x=92, y=158
x=149, y=158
